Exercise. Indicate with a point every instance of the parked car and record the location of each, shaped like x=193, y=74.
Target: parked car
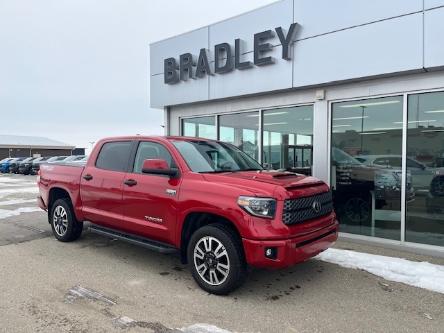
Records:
x=73, y=158
x=355, y=183
x=4, y=165
x=206, y=200
x=24, y=167
x=14, y=163
x=36, y=164
x=422, y=175
x=81, y=161
x=56, y=159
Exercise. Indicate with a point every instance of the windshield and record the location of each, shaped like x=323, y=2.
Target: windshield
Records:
x=211, y=156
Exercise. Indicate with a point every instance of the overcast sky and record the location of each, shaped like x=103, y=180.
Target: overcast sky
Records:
x=78, y=70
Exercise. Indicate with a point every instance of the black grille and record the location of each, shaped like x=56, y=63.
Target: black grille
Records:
x=301, y=209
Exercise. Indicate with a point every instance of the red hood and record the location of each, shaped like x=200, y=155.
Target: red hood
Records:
x=270, y=183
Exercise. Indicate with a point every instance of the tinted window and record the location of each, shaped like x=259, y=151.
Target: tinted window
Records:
x=151, y=150
x=368, y=199
x=114, y=156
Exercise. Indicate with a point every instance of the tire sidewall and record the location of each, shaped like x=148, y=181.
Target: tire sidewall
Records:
x=68, y=236
x=235, y=255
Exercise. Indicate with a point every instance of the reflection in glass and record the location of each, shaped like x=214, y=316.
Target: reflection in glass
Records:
x=241, y=129
x=366, y=170
x=200, y=127
x=425, y=163
x=288, y=139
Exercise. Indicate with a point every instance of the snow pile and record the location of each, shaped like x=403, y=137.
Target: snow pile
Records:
x=419, y=274
x=4, y=213
x=203, y=328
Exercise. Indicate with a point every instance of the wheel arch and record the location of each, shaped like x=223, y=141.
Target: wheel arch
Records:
x=56, y=193
x=196, y=220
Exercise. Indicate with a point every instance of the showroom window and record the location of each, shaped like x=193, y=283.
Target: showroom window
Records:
x=242, y=130
x=425, y=168
x=200, y=127
x=366, y=171
x=288, y=139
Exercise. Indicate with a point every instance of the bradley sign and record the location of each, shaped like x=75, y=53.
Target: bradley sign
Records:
x=188, y=68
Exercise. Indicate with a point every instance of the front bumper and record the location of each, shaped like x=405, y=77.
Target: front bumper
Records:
x=290, y=251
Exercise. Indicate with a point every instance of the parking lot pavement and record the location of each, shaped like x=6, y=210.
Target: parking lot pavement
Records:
x=102, y=285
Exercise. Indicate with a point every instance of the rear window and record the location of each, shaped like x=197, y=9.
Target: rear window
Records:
x=114, y=156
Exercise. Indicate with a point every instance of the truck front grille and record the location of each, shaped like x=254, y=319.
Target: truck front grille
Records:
x=303, y=209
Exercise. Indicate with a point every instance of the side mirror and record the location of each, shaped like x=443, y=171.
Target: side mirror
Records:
x=158, y=167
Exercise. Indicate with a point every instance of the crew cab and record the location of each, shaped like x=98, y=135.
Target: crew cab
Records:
x=206, y=200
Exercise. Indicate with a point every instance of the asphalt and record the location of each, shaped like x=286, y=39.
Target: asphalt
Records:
x=97, y=284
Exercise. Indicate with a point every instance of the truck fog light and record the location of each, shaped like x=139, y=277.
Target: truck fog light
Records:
x=271, y=252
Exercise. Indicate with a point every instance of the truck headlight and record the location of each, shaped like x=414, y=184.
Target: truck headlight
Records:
x=262, y=207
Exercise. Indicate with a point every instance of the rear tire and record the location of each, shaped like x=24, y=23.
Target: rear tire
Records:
x=216, y=259
x=65, y=226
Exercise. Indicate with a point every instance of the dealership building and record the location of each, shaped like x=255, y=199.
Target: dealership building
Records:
x=351, y=92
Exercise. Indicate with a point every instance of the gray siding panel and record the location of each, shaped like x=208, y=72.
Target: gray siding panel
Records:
x=433, y=3
x=322, y=16
x=338, y=40
x=385, y=47
x=433, y=45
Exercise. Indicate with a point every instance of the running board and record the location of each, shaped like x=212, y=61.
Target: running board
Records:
x=133, y=239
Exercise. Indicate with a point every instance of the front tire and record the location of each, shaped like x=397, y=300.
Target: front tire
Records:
x=216, y=259
x=64, y=224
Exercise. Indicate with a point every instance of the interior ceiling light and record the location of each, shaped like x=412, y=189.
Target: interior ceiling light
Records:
x=347, y=118
x=266, y=114
x=434, y=111
x=270, y=124
x=387, y=128
x=416, y=121
x=360, y=105
x=344, y=125
x=372, y=133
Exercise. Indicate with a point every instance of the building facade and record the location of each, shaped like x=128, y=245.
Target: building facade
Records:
x=351, y=92
x=29, y=146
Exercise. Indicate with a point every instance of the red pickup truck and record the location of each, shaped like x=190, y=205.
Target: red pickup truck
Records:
x=206, y=200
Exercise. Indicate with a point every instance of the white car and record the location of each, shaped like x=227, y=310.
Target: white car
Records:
x=422, y=175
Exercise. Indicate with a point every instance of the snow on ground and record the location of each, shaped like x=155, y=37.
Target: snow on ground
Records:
x=16, y=202
x=9, y=191
x=419, y=274
x=4, y=213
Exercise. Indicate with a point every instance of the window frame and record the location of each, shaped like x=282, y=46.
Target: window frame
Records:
x=261, y=117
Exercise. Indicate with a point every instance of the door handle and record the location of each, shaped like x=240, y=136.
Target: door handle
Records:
x=130, y=182
x=87, y=177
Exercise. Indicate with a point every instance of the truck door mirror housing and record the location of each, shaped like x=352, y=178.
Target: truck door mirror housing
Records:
x=158, y=167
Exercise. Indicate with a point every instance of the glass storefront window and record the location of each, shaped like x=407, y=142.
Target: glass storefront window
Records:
x=288, y=139
x=366, y=166
x=241, y=129
x=201, y=127
x=425, y=164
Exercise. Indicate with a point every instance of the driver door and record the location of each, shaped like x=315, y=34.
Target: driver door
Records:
x=150, y=200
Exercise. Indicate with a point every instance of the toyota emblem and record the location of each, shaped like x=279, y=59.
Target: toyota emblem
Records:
x=316, y=206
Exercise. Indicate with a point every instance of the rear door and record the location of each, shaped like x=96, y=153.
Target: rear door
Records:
x=101, y=184
x=149, y=201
